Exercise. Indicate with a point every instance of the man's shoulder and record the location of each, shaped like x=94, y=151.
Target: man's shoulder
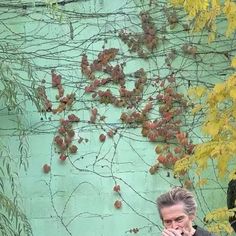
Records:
x=202, y=232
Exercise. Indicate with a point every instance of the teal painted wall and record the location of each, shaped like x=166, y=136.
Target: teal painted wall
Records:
x=76, y=197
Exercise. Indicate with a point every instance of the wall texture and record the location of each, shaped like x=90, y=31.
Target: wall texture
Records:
x=76, y=196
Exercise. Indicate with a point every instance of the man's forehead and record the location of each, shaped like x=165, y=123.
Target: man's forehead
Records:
x=175, y=207
x=174, y=210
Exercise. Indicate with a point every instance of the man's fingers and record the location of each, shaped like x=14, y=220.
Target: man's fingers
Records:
x=171, y=232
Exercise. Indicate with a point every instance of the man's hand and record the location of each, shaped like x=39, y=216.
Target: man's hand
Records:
x=175, y=232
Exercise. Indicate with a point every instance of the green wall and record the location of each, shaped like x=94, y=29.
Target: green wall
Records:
x=76, y=197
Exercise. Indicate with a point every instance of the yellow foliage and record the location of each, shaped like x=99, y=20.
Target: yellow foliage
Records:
x=222, y=165
x=233, y=62
x=196, y=108
x=205, y=12
x=214, y=11
x=232, y=93
x=215, y=4
x=197, y=91
x=194, y=7
x=201, y=182
x=231, y=81
x=216, y=151
x=234, y=113
x=230, y=12
x=200, y=21
x=213, y=115
x=191, y=7
x=211, y=37
x=217, y=228
x=211, y=128
x=218, y=124
x=219, y=88
x=216, y=95
x=211, y=99
x=204, y=149
x=221, y=151
x=177, y=2
x=201, y=156
x=220, y=214
x=208, y=18
x=232, y=174
x=182, y=165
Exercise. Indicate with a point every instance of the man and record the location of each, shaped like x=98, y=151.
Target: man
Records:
x=177, y=210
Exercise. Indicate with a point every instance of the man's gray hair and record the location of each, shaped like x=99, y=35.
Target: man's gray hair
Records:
x=175, y=196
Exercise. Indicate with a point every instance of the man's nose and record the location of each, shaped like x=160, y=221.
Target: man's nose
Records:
x=174, y=225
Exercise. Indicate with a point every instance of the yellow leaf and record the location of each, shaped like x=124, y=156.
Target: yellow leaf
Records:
x=182, y=165
x=233, y=62
x=216, y=151
x=177, y=2
x=234, y=113
x=197, y=91
x=232, y=93
x=200, y=91
x=211, y=37
x=215, y=4
x=219, y=88
x=211, y=128
x=232, y=175
x=222, y=165
x=201, y=182
x=230, y=12
x=217, y=95
x=231, y=81
x=196, y=109
x=219, y=227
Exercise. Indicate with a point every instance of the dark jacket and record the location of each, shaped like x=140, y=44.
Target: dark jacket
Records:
x=201, y=232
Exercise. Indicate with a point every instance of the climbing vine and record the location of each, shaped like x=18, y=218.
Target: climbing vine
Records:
x=112, y=106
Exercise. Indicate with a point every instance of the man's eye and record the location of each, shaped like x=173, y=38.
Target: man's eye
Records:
x=167, y=222
x=180, y=219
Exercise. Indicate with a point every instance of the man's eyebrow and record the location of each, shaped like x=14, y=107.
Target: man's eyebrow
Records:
x=167, y=220
x=179, y=217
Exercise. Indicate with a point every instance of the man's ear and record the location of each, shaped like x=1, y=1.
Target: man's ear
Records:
x=192, y=217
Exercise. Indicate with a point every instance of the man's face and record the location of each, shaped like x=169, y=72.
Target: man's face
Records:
x=175, y=218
